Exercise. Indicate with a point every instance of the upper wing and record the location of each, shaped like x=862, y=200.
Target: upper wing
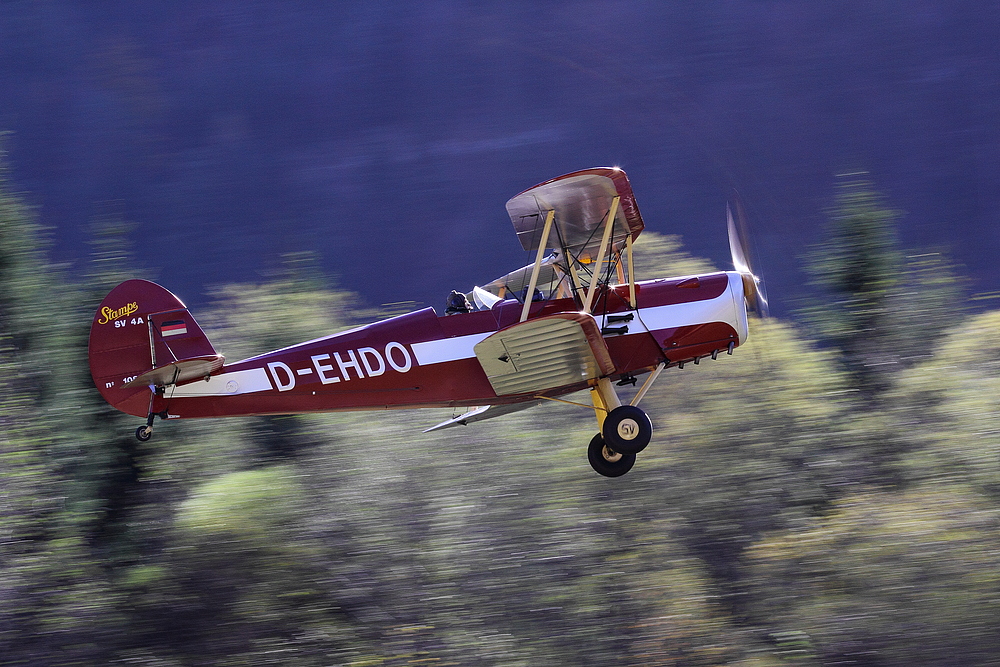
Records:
x=544, y=353
x=581, y=201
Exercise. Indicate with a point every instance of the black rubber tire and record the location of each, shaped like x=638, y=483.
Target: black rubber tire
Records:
x=627, y=429
x=596, y=453
x=141, y=435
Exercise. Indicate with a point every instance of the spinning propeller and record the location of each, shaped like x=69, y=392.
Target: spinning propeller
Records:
x=740, y=248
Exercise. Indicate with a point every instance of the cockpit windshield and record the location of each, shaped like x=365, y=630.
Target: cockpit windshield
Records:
x=550, y=277
x=553, y=282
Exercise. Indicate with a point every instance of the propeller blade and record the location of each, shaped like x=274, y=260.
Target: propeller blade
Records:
x=741, y=251
x=760, y=306
x=736, y=244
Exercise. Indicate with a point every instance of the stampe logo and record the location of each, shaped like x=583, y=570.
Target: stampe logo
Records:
x=107, y=315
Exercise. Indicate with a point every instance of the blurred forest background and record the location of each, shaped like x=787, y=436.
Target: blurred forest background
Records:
x=830, y=494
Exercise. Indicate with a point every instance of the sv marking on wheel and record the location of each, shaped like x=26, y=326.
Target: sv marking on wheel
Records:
x=628, y=429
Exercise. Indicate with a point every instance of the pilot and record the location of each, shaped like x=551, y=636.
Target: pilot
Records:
x=457, y=303
x=536, y=296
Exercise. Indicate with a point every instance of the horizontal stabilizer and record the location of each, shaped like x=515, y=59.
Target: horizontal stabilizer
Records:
x=481, y=413
x=179, y=372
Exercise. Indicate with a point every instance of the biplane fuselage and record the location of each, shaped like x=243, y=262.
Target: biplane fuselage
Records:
x=421, y=359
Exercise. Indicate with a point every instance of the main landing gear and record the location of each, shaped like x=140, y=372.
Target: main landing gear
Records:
x=625, y=430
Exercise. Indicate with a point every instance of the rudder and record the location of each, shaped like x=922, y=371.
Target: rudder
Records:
x=142, y=335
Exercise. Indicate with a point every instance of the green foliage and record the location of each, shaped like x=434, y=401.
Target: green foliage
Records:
x=249, y=319
x=856, y=269
x=912, y=578
x=878, y=307
x=55, y=601
x=750, y=443
x=93, y=445
x=948, y=406
x=29, y=298
x=252, y=505
x=929, y=299
x=859, y=262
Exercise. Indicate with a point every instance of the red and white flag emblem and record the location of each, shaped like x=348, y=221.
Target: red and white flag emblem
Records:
x=173, y=328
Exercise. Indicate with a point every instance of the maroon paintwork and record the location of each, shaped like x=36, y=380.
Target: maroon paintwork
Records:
x=375, y=366
x=149, y=356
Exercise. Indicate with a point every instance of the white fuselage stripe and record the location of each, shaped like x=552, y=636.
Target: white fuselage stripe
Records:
x=726, y=308
x=225, y=384
x=447, y=349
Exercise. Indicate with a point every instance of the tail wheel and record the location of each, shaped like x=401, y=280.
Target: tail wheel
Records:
x=627, y=429
x=143, y=433
x=607, y=461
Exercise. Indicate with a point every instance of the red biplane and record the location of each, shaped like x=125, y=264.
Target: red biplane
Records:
x=575, y=319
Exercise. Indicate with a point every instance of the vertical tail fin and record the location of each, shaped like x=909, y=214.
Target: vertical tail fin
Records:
x=144, y=336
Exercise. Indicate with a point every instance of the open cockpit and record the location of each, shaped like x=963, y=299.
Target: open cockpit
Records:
x=581, y=227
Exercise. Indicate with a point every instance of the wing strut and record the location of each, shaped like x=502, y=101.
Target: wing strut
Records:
x=608, y=225
x=529, y=296
x=631, y=273
x=574, y=277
